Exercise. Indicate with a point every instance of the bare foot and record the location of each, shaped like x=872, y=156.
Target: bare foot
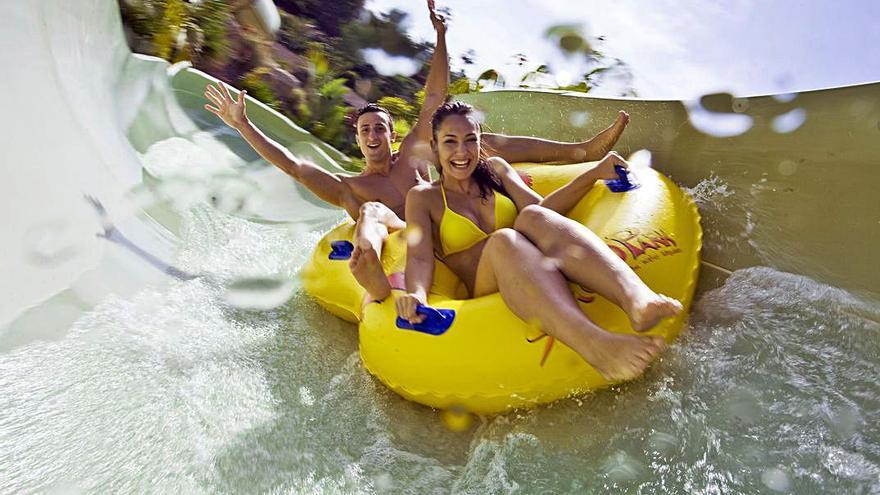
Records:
x=599, y=146
x=648, y=311
x=621, y=357
x=367, y=270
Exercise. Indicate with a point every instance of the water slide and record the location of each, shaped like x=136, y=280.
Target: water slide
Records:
x=96, y=343
x=88, y=117
x=784, y=181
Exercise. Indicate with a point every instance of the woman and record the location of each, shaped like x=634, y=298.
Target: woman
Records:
x=498, y=235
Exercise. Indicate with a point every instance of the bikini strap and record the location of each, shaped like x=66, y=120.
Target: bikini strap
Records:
x=443, y=193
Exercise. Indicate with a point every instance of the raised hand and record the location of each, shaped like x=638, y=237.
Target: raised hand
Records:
x=437, y=20
x=231, y=111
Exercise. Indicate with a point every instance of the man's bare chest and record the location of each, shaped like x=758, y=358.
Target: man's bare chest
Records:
x=390, y=190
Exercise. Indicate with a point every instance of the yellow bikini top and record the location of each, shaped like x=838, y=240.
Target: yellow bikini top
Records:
x=458, y=232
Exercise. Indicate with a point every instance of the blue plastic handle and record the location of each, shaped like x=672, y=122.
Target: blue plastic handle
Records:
x=437, y=321
x=624, y=181
x=340, y=250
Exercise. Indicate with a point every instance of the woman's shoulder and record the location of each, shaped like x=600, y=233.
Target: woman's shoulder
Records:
x=498, y=165
x=424, y=192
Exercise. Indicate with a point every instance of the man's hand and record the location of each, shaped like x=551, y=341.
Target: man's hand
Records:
x=437, y=20
x=231, y=111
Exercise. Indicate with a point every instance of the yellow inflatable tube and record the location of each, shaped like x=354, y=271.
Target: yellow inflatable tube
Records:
x=489, y=361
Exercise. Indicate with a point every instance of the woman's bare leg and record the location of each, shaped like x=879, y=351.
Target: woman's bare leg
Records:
x=534, y=291
x=373, y=225
x=528, y=149
x=582, y=256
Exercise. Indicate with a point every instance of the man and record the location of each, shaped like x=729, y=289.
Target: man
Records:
x=375, y=198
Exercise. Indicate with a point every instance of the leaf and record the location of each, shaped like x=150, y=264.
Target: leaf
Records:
x=581, y=87
x=334, y=89
x=460, y=86
x=319, y=61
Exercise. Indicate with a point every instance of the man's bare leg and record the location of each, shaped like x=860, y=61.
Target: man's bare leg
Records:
x=528, y=149
x=373, y=225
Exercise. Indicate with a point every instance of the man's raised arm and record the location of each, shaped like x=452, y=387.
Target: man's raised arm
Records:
x=327, y=186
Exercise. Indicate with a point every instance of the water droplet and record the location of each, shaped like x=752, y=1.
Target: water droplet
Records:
x=717, y=124
x=413, y=235
x=785, y=97
x=579, y=119
x=259, y=293
x=622, y=468
x=390, y=65
x=776, y=479
x=563, y=78
x=383, y=483
x=789, y=121
x=50, y=243
x=787, y=167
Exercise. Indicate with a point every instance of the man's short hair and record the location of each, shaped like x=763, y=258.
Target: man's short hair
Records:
x=372, y=107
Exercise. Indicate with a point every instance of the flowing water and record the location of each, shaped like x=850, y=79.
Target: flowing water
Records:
x=772, y=388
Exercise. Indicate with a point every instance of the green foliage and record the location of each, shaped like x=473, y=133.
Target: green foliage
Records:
x=460, y=86
x=329, y=38
x=208, y=18
x=399, y=108
x=257, y=87
x=295, y=32
x=162, y=22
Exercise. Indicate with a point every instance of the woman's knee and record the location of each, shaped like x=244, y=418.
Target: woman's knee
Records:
x=503, y=241
x=530, y=217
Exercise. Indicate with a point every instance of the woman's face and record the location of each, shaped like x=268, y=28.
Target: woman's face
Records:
x=458, y=146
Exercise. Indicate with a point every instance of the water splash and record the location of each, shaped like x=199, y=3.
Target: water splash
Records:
x=789, y=121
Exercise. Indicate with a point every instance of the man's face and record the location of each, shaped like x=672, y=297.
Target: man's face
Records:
x=374, y=136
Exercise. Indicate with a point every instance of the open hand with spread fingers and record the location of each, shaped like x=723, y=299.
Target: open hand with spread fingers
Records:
x=229, y=109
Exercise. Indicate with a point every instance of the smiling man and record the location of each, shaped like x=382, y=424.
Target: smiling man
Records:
x=375, y=197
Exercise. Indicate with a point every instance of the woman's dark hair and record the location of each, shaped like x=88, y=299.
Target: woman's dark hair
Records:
x=485, y=177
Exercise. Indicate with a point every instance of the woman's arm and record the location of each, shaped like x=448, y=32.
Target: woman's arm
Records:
x=521, y=194
x=419, y=255
x=566, y=197
x=415, y=148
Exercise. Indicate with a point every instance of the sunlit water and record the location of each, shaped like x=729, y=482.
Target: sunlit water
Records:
x=772, y=388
